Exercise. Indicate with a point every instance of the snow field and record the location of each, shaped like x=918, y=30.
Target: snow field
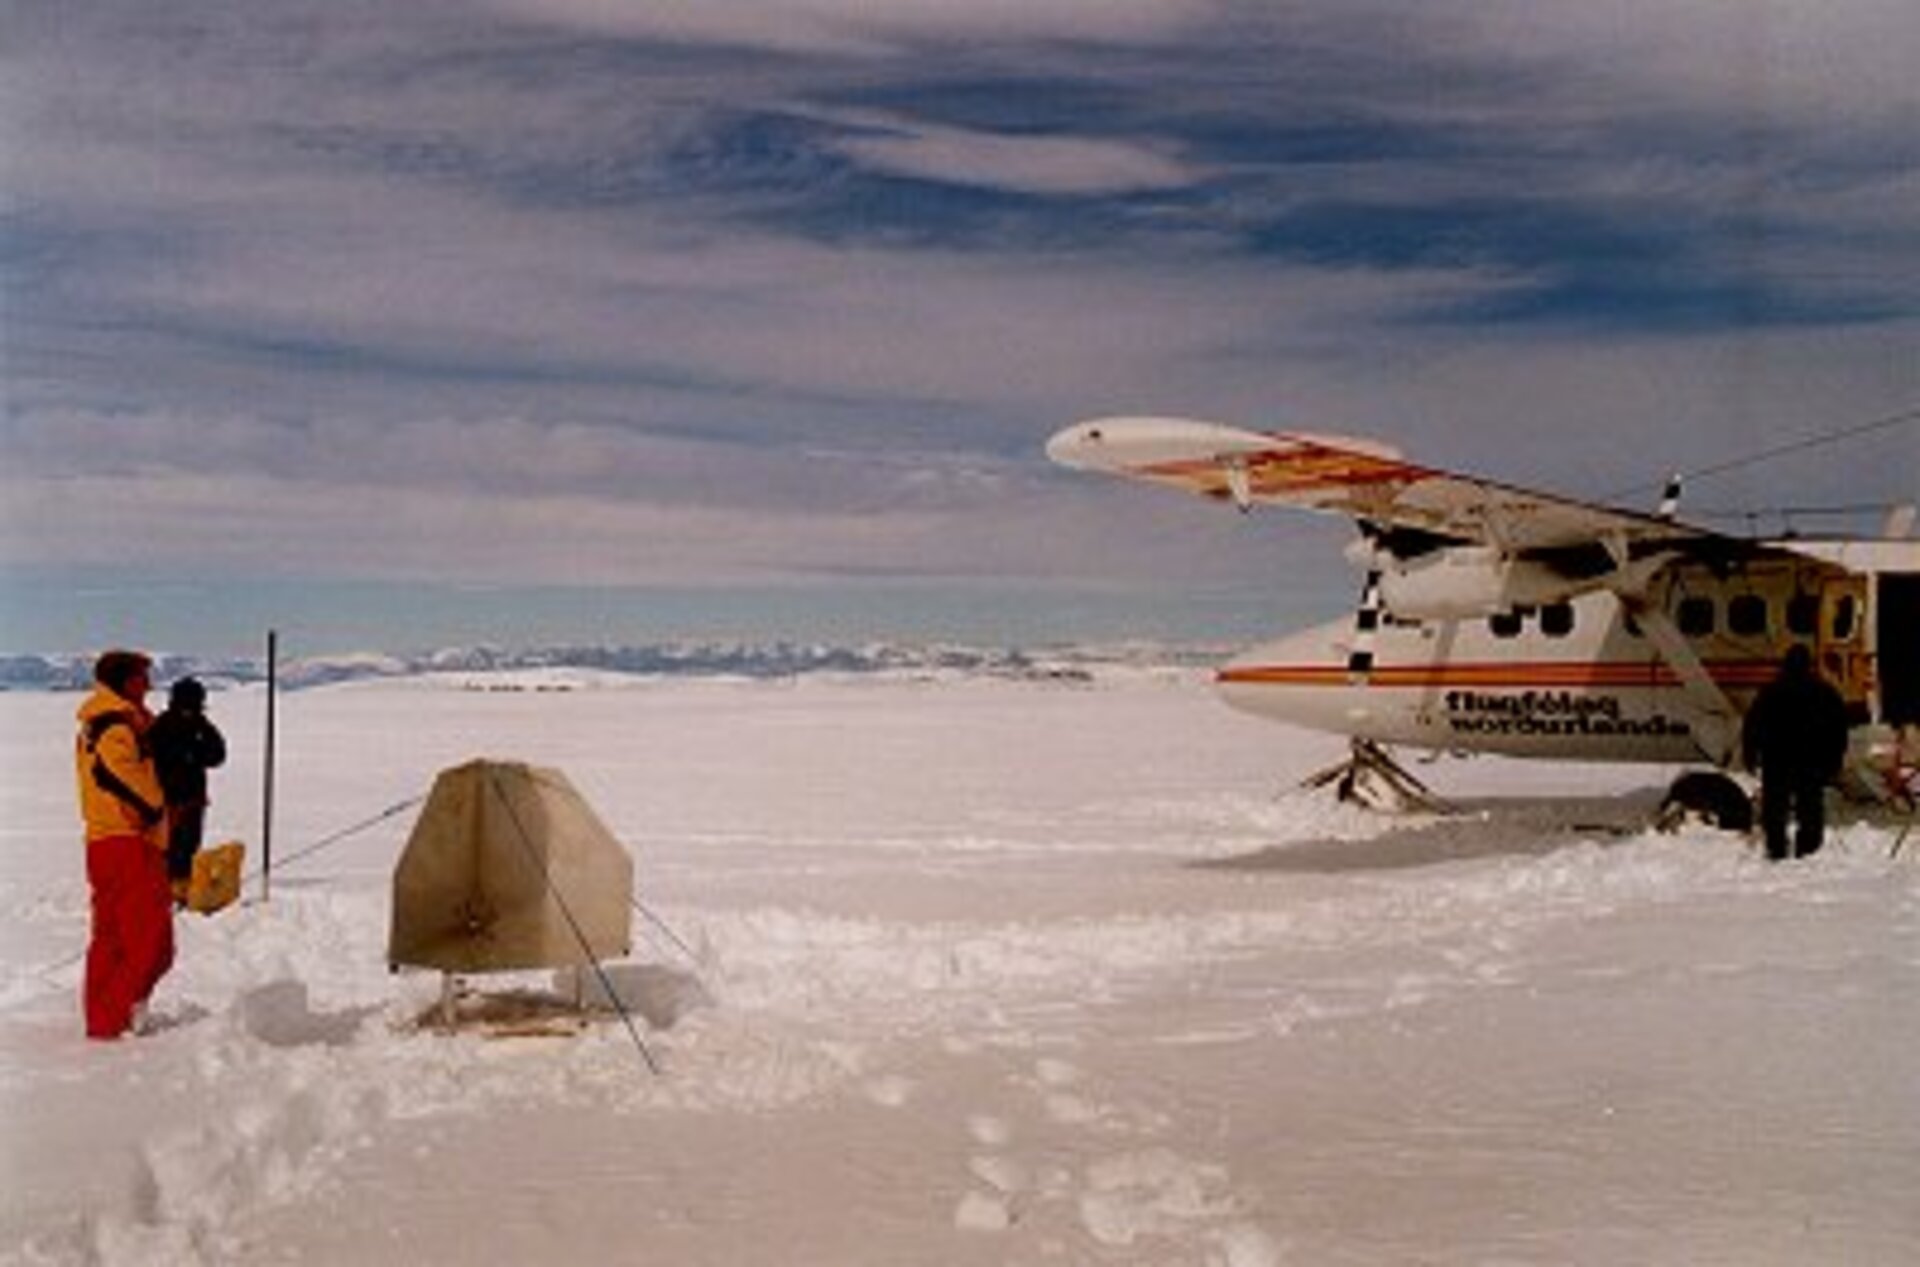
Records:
x=980, y=971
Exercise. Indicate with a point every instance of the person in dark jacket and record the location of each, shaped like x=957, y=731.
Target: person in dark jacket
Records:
x=185, y=746
x=1795, y=735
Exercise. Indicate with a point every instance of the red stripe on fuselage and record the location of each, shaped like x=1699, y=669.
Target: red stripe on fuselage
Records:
x=1737, y=674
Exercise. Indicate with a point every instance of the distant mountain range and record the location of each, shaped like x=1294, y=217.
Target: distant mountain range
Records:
x=703, y=659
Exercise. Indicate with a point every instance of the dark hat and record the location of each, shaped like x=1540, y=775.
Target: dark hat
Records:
x=114, y=669
x=187, y=693
x=1799, y=660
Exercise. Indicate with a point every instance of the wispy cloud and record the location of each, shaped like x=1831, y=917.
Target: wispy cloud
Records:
x=1045, y=165
x=852, y=26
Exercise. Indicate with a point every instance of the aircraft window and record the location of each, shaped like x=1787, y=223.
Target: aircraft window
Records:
x=1747, y=614
x=1695, y=617
x=1843, y=618
x=1505, y=624
x=1803, y=615
x=1556, y=620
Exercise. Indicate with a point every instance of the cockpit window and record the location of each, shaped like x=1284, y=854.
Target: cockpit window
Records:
x=1844, y=618
x=1747, y=614
x=1803, y=615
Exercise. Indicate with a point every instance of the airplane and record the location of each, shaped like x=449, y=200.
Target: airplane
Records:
x=1506, y=620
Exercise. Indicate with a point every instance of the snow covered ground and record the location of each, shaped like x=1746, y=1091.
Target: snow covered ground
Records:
x=982, y=971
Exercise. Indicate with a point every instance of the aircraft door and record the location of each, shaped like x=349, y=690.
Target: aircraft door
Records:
x=1897, y=616
x=1840, y=645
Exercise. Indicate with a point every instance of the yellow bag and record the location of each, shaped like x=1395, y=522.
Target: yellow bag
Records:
x=216, y=877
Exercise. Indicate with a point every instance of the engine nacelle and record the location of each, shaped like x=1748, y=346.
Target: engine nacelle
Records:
x=1464, y=581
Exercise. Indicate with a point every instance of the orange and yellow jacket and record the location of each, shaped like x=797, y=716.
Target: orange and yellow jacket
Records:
x=119, y=792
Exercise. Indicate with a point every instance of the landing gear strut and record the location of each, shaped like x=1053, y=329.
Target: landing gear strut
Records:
x=1371, y=777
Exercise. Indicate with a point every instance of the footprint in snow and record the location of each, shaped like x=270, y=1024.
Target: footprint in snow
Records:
x=983, y=1212
x=891, y=1091
x=989, y=1130
x=1156, y=1192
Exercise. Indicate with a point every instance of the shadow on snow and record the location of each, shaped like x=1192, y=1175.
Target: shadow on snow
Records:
x=1475, y=829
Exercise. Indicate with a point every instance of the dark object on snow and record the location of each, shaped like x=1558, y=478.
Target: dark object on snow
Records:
x=1709, y=797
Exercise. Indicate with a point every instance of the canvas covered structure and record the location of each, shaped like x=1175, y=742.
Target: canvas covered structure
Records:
x=509, y=868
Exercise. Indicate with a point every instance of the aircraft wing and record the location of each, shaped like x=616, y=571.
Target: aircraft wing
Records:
x=1365, y=480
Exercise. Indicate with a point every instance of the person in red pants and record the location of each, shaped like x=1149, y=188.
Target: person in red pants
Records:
x=125, y=814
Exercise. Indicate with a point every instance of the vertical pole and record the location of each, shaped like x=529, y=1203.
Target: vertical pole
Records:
x=266, y=797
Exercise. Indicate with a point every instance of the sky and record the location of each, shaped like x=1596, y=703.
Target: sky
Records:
x=609, y=319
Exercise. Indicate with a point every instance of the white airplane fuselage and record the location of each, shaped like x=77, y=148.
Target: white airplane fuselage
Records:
x=1578, y=680
x=1596, y=693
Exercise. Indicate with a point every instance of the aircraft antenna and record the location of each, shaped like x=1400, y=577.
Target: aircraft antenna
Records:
x=1839, y=435
x=1670, y=496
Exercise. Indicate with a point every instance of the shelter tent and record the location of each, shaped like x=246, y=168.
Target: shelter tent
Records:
x=509, y=868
